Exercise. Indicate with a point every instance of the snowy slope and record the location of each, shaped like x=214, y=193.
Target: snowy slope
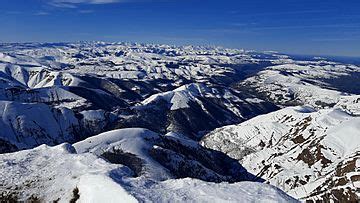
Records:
x=27, y=125
x=319, y=84
x=62, y=174
x=163, y=156
x=132, y=141
x=58, y=174
x=195, y=108
x=303, y=151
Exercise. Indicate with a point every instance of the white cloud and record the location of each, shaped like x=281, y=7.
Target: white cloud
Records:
x=85, y=1
x=72, y=3
x=41, y=13
x=76, y=3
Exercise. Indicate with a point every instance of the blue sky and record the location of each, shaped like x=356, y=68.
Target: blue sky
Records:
x=326, y=27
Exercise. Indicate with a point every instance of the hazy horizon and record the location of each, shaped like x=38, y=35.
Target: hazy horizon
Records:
x=301, y=27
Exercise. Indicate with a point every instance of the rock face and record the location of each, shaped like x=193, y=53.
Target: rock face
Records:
x=312, y=155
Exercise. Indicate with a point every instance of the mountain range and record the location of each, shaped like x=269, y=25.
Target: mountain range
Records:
x=96, y=121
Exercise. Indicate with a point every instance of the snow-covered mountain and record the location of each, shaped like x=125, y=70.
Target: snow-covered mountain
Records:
x=130, y=170
x=105, y=86
x=319, y=84
x=312, y=155
x=171, y=105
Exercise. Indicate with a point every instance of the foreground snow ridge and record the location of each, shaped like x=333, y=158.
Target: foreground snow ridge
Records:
x=62, y=174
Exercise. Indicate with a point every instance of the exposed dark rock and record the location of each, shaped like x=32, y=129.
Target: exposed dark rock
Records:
x=76, y=195
x=125, y=158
